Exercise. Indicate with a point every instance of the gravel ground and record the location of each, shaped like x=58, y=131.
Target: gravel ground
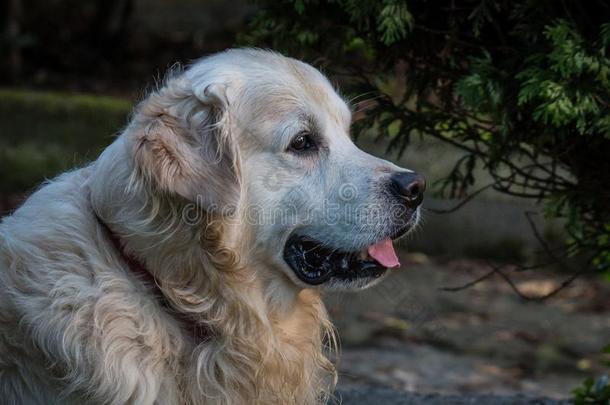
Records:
x=407, y=335
x=368, y=396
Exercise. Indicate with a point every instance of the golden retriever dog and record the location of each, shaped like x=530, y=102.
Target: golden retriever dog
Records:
x=186, y=264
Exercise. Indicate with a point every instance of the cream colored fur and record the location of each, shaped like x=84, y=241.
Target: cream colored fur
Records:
x=77, y=326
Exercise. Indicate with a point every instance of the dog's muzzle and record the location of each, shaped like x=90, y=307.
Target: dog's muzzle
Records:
x=315, y=262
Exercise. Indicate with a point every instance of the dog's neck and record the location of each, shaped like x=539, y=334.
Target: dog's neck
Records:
x=275, y=325
x=266, y=331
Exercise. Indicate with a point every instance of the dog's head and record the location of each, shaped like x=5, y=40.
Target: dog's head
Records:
x=264, y=139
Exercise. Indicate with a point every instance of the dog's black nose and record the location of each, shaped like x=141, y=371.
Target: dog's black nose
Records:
x=409, y=186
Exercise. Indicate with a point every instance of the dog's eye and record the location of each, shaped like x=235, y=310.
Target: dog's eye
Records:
x=302, y=143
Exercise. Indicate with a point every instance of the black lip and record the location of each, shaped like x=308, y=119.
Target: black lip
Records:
x=400, y=232
x=314, y=264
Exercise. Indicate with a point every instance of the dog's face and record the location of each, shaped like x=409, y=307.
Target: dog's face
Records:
x=322, y=212
x=318, y=202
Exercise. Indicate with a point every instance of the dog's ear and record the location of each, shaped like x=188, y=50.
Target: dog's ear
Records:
x=184, y=145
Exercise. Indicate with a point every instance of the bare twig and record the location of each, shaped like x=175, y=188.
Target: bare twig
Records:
x=463, y=202
x=470, y=283
x=498, y=270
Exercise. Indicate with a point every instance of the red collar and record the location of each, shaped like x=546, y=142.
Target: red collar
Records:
x=198, y=331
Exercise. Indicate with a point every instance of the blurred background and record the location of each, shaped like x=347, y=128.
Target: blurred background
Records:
x=503, y=106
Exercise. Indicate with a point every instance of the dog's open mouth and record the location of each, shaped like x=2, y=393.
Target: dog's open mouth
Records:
x=313, y=263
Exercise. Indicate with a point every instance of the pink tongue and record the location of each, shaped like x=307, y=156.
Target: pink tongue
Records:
x=384, y=253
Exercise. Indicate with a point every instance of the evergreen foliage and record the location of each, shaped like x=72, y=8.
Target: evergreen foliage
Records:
x=522, y=87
